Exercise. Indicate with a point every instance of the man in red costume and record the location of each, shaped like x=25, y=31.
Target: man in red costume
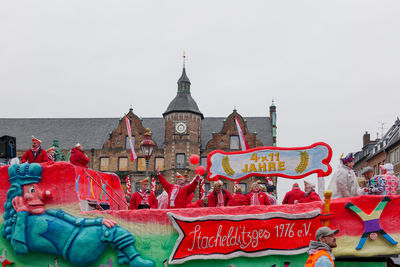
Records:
x=295, y=194
x=78, y=158
x=144, y=198
x=238, y=199
x=310, y=195
x=35, y=154
x=256, y=196
x=179, y=192
x=219, y=197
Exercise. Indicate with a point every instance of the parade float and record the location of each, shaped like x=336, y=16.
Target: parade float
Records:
x=57, y=214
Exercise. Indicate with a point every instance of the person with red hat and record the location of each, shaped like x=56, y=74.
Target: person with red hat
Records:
x=295, y=194
x=78, y=158
x=257, y=196
x=238, y=199
x=35, y=154
x=179, y=192
x=50, y=153
x=310, y=194
x=144, y=198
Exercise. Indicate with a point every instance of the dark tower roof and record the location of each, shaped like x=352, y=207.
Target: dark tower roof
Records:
x=183, y=102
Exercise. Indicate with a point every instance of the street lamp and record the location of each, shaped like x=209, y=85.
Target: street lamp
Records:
x=147, y=146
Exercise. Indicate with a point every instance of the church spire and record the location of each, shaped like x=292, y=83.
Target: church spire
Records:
x=184, y=82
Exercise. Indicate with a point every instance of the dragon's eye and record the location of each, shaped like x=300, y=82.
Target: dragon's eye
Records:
x=31, y=189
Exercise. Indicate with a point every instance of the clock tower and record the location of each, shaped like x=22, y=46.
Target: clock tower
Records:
x=182, y=131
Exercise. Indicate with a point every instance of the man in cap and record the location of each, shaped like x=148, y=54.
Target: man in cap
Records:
x=179, y=192
x=344, y=182
x=35, y=154
x=144, y=198
x=310, y=195
x=320, y=251
x=375, y=185
x=295, y=194
x=78, y=158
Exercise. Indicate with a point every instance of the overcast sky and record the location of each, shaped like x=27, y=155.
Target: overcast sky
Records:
x=332, y=67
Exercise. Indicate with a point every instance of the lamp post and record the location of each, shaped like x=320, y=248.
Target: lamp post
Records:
x=147, y=146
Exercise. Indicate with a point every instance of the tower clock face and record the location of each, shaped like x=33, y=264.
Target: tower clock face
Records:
x=180, y=127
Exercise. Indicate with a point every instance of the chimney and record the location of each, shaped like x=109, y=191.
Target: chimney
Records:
x=366, y=139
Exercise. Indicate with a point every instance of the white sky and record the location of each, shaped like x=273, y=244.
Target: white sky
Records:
x=331, y=66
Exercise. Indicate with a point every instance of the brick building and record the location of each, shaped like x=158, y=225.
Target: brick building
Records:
x=380, y=151
x=180, y=132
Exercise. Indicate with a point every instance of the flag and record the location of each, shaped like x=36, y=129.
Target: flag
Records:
x=202, y=188
x=128, y=187
x=153, y=185
x=128, y=129
x=243, y=142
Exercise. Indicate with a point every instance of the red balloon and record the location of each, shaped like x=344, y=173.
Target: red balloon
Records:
x=194, y=159
x=200, y=170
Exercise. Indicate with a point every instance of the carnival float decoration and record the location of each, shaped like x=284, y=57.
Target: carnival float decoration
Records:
x=63, y=215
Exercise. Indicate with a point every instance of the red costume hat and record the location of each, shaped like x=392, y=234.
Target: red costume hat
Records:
x=34, y=139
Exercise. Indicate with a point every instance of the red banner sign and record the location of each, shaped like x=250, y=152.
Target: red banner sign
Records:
x=250, y=235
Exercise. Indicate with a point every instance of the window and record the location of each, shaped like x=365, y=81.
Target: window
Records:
x=159, y=163
x=104, y=164
x=391, y=160
x=203, y=162
x=225, y=186
x=243, y=186
x=127, y=145
x=234, y=142
x=123, y=164
x=396, y=155
x=180, y=161
x=141, y=164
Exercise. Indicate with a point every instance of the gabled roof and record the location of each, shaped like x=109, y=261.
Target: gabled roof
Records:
x=93, y=132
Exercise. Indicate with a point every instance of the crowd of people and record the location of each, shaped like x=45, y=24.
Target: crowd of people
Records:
x=345, y=182
x=36, y=154
x=181, y=194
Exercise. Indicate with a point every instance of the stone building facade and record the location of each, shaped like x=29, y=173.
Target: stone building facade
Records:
x=181, y=132
x=380, y=151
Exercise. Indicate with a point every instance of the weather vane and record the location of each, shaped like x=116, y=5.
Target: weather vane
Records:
x=184, y=58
